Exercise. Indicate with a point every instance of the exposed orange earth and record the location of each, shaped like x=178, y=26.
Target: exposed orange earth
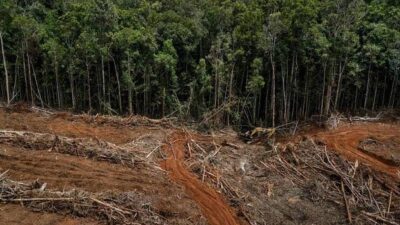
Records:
x=346, y=139
x=213, y=206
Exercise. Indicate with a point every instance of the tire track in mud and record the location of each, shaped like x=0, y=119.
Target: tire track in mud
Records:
x=345, y=141
x=213, y=206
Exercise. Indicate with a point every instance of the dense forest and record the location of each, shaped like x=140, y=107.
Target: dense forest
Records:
x=252, y=62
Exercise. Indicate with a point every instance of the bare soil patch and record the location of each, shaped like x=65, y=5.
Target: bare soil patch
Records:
x=346, y=140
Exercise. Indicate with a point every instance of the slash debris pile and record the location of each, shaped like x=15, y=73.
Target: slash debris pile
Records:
x=88, y=148
x=111, y=208
x=367, y=196
x=296, y=182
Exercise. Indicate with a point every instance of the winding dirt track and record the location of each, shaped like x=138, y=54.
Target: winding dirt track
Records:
x=345, y=141
x=214, y=208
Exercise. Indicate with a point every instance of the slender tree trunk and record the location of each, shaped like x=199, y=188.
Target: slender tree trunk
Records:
x=230, y=91
x=216, y=88
x=341, y=70
x=37, y=85
x=383, y=93
x=30, y=80
x=393, y=90
x=266, y=110
x=118, y=84
x=88, y=86
x=103, y=76
x=14, y=91
x=164, y=93
x=71, y=82
x=355, y=99
x=328, y=95
x=57, y=83
x=129, y=87
x=5, y=69
x=375, y=94
x=130, y=101
x=323, y=89
x=273, y=90
x=367, y=88
x=284, y=93
x=25, y=76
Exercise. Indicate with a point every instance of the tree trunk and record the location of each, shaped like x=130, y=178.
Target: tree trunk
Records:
x=273, y=90
x=5, y=69
x=129, y=87
x=103, y=76
x=88, y=86
x=323, y=88
x=37, y=85
x=284, y=93
x=328, y=95
x=57, y=83
x=375, y=94
x=367, y=88
x=118, y=84
x=71, y=82
x=25, y=76
x=355, y=99
x=393, y=90
x=30, y=80
x=266, y=110
x=14, y=91
x=230, y=92
x=216, y=88
x=130, y=101
x=341, y=71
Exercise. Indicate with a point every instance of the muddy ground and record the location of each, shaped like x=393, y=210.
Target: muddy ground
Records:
x=193, y=178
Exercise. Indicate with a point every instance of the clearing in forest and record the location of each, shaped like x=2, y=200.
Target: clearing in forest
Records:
x=59, y=168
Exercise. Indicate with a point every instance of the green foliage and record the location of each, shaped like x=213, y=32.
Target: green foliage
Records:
x=196, y=56
x=256, y=82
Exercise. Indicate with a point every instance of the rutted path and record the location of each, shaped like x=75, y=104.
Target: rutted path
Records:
x=214, y=208
x=345, y=140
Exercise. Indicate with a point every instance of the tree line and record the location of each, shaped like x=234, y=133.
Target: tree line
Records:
x=241, y=62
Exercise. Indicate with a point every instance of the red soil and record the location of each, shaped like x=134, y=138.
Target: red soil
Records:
x=345, y=140
x=213, y=206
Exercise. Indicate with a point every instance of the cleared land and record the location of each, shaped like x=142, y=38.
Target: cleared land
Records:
x=67, y=169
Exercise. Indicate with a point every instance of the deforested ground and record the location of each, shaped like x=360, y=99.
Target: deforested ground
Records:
x=60, y=168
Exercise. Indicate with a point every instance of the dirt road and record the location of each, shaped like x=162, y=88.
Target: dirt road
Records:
x=211, y=203
x=345, y=140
